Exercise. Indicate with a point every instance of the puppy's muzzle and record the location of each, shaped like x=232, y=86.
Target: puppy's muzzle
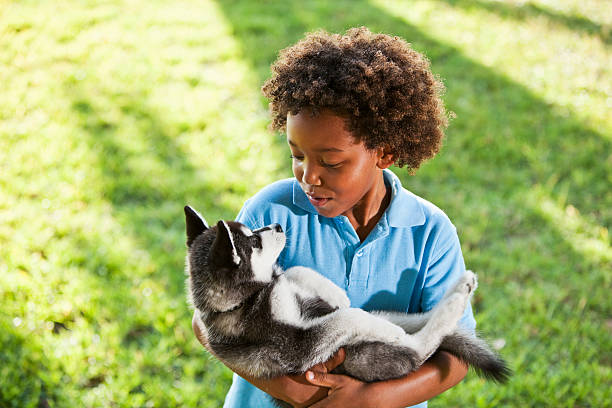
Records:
x=273, y=227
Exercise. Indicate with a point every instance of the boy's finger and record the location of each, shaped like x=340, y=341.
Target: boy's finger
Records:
x=335, y=361
x=323, y=379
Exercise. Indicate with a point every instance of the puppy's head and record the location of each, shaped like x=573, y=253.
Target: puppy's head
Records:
x=228, y=262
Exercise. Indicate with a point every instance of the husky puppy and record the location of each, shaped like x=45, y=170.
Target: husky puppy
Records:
x=268, y=322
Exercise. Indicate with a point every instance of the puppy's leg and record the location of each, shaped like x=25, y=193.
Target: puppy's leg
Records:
x=444, y=318
x=354, y=325
x=413, y=322
x=346, y=327
x=316, y=284
x=410, y=322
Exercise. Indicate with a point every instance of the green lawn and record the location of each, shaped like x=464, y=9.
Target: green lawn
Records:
x=113, y=115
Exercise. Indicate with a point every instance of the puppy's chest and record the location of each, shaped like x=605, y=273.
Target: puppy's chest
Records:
x=286, y=304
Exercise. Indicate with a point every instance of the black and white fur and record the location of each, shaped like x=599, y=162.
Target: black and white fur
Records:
x=267, y=322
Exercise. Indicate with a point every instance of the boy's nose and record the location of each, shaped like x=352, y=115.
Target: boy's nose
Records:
x=311, y=176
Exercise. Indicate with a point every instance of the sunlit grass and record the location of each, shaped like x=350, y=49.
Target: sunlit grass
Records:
x=591, y=241
x=561, y=64
x=114, y=115
x=112, y=118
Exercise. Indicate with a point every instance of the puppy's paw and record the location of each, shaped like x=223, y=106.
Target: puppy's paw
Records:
x=471, y=281
x=467, y=284
x=338, y=297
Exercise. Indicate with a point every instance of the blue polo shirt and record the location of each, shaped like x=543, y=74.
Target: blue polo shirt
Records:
x=406, y=263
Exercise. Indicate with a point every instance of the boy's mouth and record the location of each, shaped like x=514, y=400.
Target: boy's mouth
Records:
x=317, y=201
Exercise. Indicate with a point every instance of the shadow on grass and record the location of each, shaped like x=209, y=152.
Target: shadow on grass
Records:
x=524, y=11
x=35, y=380
x=148, y=207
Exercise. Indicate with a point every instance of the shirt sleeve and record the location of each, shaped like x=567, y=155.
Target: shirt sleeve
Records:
x=445, y=268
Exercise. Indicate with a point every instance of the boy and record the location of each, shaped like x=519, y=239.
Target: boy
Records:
x=351, y=106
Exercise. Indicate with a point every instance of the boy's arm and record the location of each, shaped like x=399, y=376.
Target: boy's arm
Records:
x=441, y=372
x=291, y=388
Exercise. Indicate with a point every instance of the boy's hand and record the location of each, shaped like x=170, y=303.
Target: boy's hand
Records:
x=342, y=390
x=294, y=389
x=440, y=372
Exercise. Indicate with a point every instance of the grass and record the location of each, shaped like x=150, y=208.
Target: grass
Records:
x=113, y=115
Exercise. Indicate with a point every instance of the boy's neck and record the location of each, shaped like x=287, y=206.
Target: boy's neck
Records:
x=365, y=215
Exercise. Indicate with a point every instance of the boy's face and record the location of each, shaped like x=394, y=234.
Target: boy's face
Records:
x=337, y=174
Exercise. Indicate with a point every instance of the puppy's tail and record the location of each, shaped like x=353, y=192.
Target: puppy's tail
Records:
x=477, y=353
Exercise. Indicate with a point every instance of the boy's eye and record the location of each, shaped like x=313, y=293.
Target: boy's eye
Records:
x=324, y=164
x=331, y=165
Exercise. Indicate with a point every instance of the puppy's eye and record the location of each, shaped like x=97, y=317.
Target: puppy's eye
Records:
x=256, y=241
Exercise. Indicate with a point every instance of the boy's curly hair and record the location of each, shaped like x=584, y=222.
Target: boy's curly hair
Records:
x=382, y=87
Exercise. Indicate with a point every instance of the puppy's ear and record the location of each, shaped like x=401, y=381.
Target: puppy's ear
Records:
x=223, y=251
x=195, y=224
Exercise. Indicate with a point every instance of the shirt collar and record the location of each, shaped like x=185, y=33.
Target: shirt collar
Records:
x=404, y=209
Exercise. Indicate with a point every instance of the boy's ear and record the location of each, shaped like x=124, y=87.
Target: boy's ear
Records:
x=385, y=158
x=223, y=252
x=195, y=224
